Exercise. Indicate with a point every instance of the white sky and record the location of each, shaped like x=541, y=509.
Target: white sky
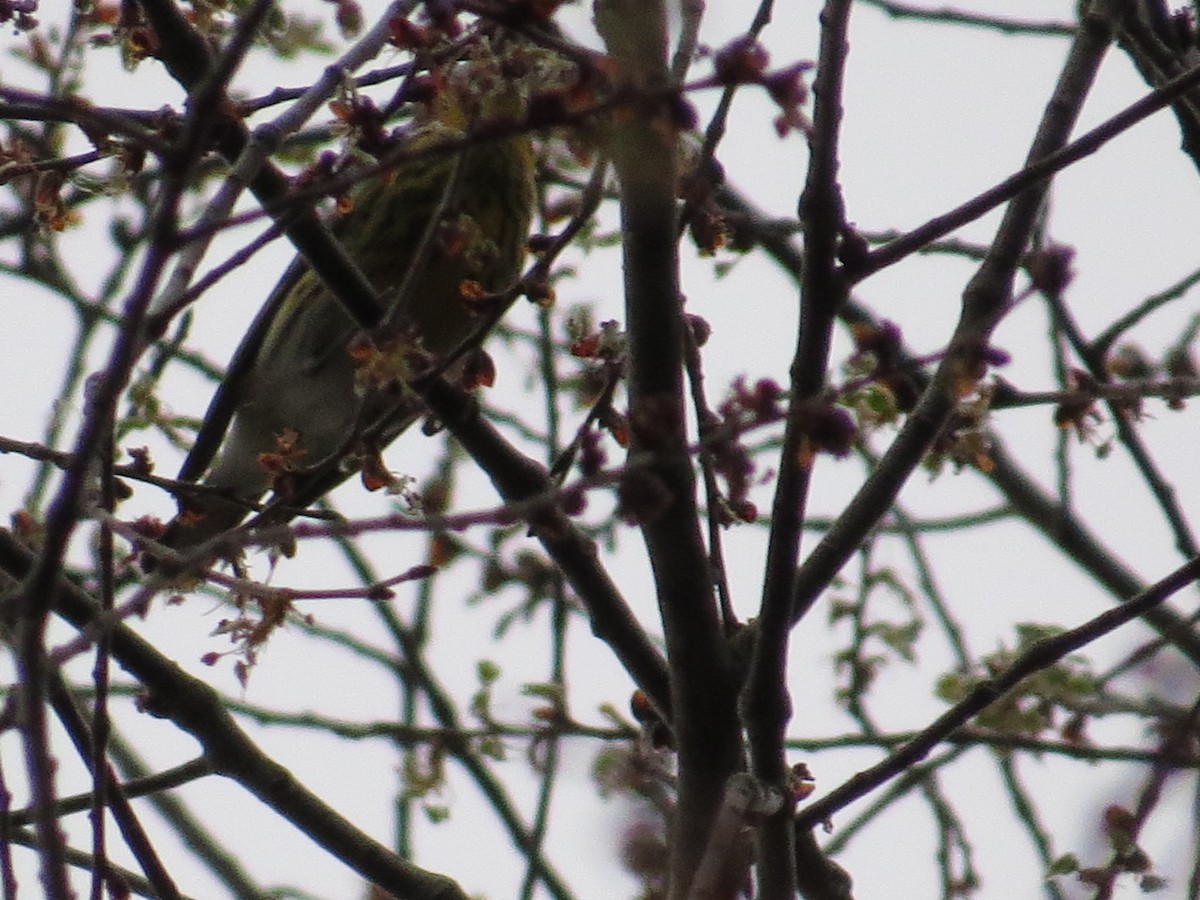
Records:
x=933, y=116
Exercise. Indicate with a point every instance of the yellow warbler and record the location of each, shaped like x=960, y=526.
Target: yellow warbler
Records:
x=299, y=395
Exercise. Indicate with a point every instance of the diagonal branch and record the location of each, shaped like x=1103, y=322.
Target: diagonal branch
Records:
x=1057, y=522
x=985, y=301
x=197, y=709
x=1037, y=169
x=1041, y=654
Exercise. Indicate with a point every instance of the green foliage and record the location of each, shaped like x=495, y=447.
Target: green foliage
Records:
x=876, y=638
x=1038, y=703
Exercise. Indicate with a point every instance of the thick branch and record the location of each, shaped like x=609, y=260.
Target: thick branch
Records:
x=518, y=478
x=197, y=709
x=766, y=706
x=661, y=496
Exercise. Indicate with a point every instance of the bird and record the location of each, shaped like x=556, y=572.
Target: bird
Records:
x=303, y=385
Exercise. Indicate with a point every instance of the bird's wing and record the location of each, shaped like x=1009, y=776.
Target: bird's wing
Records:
x=224, y=402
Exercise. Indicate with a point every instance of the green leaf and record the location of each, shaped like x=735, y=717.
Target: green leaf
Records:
x=436, y=813
x=1063, y=865
x=488, y=672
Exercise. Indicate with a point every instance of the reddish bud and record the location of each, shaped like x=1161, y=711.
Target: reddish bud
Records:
x=1178, y=363
x=701, y=329
x=1128, y=361
x=1050, y=269
x=349, y=18
x=707, y=230
x=374, y=474
x=830, y=429
x=592, y=457
x=409, y=35
x=742, y=61
x=479, y=370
